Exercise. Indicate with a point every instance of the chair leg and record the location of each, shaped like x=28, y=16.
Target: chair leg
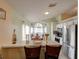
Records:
x=46, y=57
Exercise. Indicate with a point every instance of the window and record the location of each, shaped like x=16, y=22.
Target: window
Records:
x=25, y=32
x=45, y=29
x=27, y=29
x=38, y=28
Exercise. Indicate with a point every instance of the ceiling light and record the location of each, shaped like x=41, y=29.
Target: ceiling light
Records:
x=46, y=13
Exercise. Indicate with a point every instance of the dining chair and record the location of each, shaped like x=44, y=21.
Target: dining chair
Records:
x=52, y=52
x=33, y=52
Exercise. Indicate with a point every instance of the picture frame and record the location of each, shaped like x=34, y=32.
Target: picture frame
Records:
x=2, y=14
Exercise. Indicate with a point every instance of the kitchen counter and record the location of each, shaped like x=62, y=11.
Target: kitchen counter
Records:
x=31, y=43
x=16, y=51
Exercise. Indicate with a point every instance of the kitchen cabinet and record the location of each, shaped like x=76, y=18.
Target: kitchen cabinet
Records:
x=70, y=37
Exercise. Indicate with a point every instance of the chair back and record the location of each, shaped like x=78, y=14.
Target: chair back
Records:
x=32, y=53
x=53, y=50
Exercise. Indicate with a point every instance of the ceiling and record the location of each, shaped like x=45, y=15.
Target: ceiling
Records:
x=33, y=10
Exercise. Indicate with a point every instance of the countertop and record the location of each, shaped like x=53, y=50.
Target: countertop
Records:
x=31, y=43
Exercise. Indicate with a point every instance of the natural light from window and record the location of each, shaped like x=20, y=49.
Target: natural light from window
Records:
x=27, y=30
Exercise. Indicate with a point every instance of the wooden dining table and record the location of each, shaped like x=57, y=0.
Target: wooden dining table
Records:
x=16, y=51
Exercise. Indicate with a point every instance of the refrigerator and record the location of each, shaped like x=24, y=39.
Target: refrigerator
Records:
x=70, y=40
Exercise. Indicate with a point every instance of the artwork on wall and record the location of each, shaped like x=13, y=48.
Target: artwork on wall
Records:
x=2, y=14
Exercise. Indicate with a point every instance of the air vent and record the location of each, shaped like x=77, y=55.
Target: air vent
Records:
x=52, y=5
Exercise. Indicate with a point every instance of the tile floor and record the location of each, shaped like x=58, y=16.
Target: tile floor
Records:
x=62, y=56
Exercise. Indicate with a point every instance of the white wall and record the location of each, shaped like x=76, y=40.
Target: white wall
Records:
x=52, y=36
x=51, y=27
x=6, y=25
x=18, y=28
x=13, y=21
